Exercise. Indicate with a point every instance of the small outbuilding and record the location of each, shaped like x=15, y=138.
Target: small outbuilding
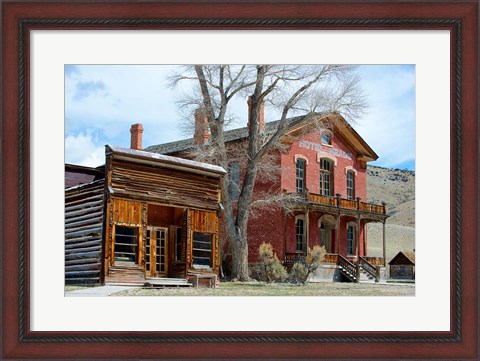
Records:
x=402, y=266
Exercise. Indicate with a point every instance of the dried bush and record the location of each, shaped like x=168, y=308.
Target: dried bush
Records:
x=301, y=271
x=274, y=270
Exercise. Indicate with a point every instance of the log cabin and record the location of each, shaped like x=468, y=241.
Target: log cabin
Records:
x=142, y=218
x=323, y=162
x=402, y=266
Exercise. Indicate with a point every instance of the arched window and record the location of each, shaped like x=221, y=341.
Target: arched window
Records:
x=326, y=177
x=301, y=165
x=326, y=138
x=300, y=234
x=350, y=184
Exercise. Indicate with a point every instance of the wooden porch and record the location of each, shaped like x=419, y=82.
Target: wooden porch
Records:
x=352, y=267
x=335, y=210
x=345, y=204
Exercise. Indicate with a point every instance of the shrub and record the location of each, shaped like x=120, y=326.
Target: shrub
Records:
x=301, y=271
x=273, y=268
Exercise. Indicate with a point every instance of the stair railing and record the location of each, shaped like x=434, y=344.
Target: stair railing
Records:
x=369, y=268
x=349, y=267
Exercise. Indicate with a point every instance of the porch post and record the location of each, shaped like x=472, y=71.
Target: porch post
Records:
x=384, y=245
x=337, y=234
x=284, y=233
x=357, y=238
x=384, y=238
x=307, y=216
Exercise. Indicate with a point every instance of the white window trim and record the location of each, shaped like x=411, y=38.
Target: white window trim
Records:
x=326, y=155
x=349, y=167
x=300, y=156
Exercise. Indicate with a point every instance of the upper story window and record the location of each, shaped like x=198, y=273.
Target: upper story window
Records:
x=301, y=165
x=234, y=177
x=326, y=177
x=326, y=138
x=350, y=184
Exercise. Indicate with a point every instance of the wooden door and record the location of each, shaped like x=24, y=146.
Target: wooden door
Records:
x=156, y=252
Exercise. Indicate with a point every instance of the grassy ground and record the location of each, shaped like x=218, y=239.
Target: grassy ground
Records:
x=74, y=288
x=262, y=289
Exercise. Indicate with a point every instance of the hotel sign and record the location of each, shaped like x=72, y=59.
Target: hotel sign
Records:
x=320, y=148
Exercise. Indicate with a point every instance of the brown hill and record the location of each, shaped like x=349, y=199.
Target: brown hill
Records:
x=396, y=188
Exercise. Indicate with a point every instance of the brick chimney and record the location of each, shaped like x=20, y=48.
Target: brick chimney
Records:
x=202, y=135
x=136, y=131
x=261, y=115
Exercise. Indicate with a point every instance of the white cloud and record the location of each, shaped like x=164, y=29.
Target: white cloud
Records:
x=389, y=126
x=138, y=94
x=81, y=149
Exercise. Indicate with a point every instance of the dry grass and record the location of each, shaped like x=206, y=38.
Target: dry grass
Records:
x=74, y=288
x=281, y=289
x=396, y=188
x=399, y=238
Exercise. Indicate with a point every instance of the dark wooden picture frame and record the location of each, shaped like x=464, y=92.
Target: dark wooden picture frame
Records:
x=460, y=18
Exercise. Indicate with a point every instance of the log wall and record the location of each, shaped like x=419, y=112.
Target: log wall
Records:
x=84, y=212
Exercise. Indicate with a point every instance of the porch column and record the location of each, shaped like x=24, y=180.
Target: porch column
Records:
x=337, y=234
x=357, y=238
x=307, y=216
x=384, y=237
x=384, y=245
x=284, y=233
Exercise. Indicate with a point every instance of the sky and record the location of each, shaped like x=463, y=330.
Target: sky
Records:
x=103, y=101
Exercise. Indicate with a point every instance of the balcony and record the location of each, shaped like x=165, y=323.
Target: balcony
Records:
x=342, y=203
x=332, y=258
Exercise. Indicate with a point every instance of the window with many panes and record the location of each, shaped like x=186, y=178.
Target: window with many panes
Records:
x=300, y=175
x=126, y=244
x=326, y=177
x=300, y=234
x=350, y=184
x=350, y=239
x=202, y=249
x=234, y=177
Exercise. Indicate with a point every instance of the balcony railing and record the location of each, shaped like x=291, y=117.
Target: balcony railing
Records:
x=292, y=258
x=345, y=203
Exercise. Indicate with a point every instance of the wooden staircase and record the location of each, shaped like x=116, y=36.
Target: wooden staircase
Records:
x=347, y=268
x=368, y=272
x=362, y=272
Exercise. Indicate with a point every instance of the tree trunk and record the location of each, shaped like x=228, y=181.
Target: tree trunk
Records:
x=240, y=256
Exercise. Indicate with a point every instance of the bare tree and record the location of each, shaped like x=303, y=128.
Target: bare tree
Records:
x=293, y=90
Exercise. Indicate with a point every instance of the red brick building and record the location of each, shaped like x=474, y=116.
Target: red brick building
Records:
x=326, y=167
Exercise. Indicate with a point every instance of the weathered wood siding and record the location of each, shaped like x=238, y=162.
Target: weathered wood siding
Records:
x=84, y=212
x=402, y=271
x=163, y=186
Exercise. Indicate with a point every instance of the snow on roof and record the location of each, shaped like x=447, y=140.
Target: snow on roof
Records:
x=167, y=160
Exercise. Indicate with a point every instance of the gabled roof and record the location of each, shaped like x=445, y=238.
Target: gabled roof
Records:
x=404, y=256
x=341, y=126
x=164, y=161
